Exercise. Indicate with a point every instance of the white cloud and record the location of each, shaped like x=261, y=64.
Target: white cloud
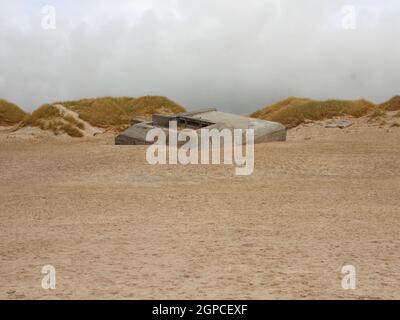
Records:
x=234, y=55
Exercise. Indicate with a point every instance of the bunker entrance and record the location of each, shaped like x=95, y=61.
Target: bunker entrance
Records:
x=191, y=123
x=183, y=122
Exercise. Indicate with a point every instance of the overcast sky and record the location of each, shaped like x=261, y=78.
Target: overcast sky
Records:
x=231, y=54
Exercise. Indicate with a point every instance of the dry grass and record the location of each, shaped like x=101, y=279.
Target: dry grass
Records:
x=118, y=112
x=71, y=130
x=44, y=112
x=391, y=105
x=295, y=111
x=291, y=101
x=102, y=112
x=377, y=113
x=108, y=112
x=11, y=114
x=75, y=122
x=149, y=105
x=48, y=117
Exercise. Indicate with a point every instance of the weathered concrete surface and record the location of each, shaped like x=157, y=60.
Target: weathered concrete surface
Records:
x=264, y=131
x=135, y=135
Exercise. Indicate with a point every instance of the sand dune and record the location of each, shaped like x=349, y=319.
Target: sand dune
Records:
x=87, y=129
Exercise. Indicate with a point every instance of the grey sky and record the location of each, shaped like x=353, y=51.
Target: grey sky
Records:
x=234, y=55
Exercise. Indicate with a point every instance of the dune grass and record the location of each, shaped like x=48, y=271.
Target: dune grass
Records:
x=391, y=105
x=71, y=130
x=295, y=111
x=377, y=113
x=11, y=114
x=149, y=105
x=75, y=122
x=118, y=112
x=291, y=101
x=107, y=112
x=48, y=117
x=102, y=112
x=44, y=112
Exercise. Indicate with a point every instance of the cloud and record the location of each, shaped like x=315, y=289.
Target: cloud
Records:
x=234, y=55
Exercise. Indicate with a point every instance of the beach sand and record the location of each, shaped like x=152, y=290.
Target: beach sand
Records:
x=115, y=227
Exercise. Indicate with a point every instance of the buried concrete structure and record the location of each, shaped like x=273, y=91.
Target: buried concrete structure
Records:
x=264, y=131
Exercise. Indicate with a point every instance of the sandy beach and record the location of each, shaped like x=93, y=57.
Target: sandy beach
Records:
x=115, y=227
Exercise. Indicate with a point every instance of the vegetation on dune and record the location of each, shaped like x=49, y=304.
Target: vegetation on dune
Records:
x=44, y=112
x=295, y=111
x=149, y=105
x=102, y=112
x=11, y=114
x=291, y=101
x=75, y=122
x=377, y=113
x=391, y=105
x=118, y=112
x=71, y=130
x=107, y=112
x=48, y=117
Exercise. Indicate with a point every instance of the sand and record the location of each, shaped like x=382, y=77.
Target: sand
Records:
x=115, y=227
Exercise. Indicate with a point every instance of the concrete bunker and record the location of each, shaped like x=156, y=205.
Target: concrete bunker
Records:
x=264, y=131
